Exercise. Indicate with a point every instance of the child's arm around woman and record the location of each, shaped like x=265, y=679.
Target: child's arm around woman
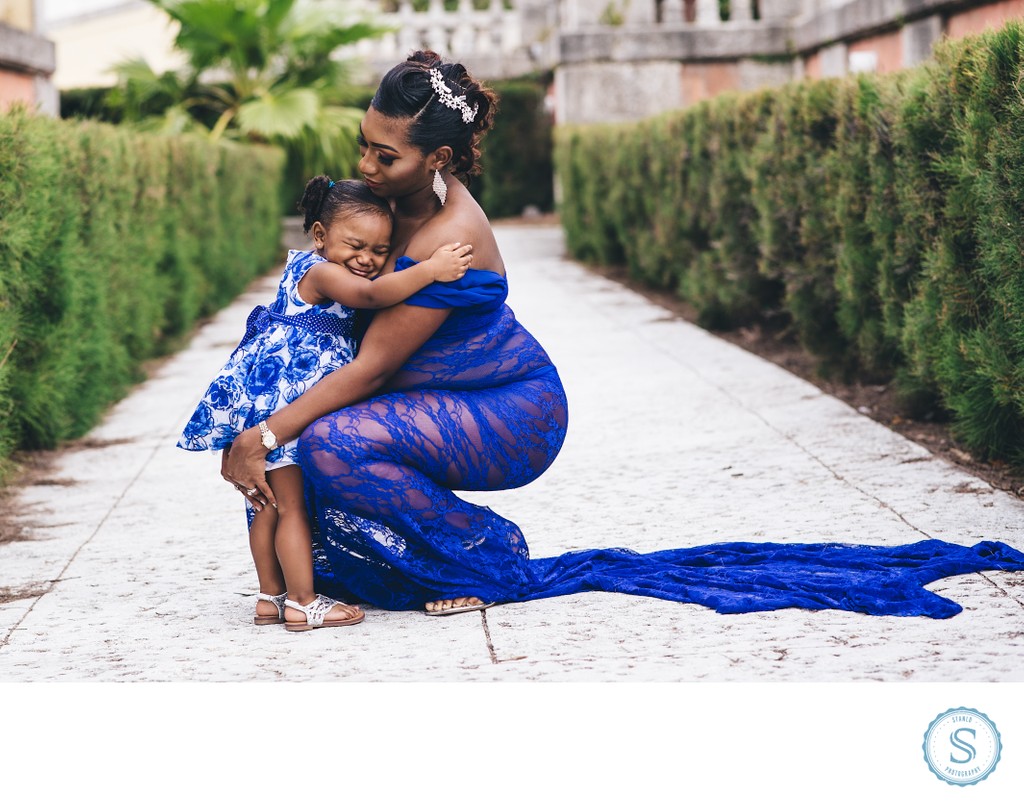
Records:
x=351, y=228
x=326, y=280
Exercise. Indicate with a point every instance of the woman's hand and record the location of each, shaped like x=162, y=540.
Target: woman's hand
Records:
x=244, y=465
x=393, y=336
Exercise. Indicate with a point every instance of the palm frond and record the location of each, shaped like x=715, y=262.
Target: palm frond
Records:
x=279, y=115
x=263, y=70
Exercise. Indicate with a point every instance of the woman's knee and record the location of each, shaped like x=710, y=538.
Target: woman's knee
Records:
x=335, y=445
x=320, y=452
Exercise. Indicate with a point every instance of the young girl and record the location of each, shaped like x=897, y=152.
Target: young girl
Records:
x=306, y=333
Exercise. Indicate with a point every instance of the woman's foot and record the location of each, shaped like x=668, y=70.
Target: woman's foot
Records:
x=320, y=612
x=455, y=606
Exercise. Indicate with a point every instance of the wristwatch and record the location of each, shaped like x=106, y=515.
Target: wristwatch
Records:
x=268, y=438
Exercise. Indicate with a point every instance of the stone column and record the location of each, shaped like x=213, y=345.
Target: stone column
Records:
x=833, y=60
x=740, y=11
x=673, y=12
x=539, y=29
x=568, y=15
x=47, y=96
x=386, y=47
x=918, y=39
x=463, y=38
x=437, y=36
x=496, y=13
x=408, y=39
x=707, y=13
x=639, y=12
x=510, y=23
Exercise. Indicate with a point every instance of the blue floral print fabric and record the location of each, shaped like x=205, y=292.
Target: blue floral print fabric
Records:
x=288, y=347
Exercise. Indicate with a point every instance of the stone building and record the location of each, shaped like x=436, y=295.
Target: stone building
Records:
x=612, y=59
x=100, y=34
x=26, y=58
x=626, y=59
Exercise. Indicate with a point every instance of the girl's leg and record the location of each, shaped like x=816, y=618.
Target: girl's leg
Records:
x=293, y=542
x=268, y=570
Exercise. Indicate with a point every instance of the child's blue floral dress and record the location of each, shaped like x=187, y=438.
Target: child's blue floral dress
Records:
x=287, y=348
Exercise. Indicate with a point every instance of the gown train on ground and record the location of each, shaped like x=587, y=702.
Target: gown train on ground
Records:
x=480, y=407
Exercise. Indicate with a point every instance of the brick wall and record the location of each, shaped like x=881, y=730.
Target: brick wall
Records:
x=975, y=20
x=15, y=88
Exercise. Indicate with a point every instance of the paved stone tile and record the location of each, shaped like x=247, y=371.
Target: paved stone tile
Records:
x=136, y=566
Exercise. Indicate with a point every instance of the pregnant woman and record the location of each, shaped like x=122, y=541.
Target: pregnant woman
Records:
x=449, y=392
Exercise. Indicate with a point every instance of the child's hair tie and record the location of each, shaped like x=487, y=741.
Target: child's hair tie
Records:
x=330, y=184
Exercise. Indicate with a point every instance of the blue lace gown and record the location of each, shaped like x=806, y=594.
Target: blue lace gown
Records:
x=480, y=407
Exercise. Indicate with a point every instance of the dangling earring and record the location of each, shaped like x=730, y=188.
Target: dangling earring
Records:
x=440, y=188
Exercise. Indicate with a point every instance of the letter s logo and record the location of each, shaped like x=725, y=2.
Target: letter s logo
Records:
x=954, y=738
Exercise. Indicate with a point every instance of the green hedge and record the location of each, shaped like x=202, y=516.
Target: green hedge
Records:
x=516, y=155
x=111, y=245
x=880, y=216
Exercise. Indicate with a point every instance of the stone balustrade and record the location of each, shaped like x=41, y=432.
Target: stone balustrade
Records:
x=518, y=36
x=577, y=15
x=623, y=59
x=490, y=36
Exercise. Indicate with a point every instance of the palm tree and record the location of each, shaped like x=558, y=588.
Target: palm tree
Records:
x=258, y=70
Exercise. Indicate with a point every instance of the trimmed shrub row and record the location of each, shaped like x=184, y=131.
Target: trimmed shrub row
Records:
x=113, y=243
x=879, y=216
x=517, y=152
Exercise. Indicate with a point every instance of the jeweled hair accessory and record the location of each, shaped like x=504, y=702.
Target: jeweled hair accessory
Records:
x=449, y=99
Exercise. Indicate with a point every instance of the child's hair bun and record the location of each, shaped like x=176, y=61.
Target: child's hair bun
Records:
x=312, y=201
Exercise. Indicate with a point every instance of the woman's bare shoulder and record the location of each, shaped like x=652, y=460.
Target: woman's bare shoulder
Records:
x=463, y=223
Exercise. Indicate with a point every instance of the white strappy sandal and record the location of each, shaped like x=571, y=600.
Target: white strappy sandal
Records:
x=316, y=612
x=271, y=620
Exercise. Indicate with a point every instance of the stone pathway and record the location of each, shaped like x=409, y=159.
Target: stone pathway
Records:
x=134, y=566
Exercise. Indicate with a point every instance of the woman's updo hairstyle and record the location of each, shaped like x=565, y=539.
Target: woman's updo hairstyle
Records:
x=406, y=92
x=324, y=200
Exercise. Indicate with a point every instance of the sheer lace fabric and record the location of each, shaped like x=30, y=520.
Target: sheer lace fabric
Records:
x=480, y=407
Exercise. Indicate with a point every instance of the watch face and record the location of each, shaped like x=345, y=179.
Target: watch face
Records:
x=268, y=438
